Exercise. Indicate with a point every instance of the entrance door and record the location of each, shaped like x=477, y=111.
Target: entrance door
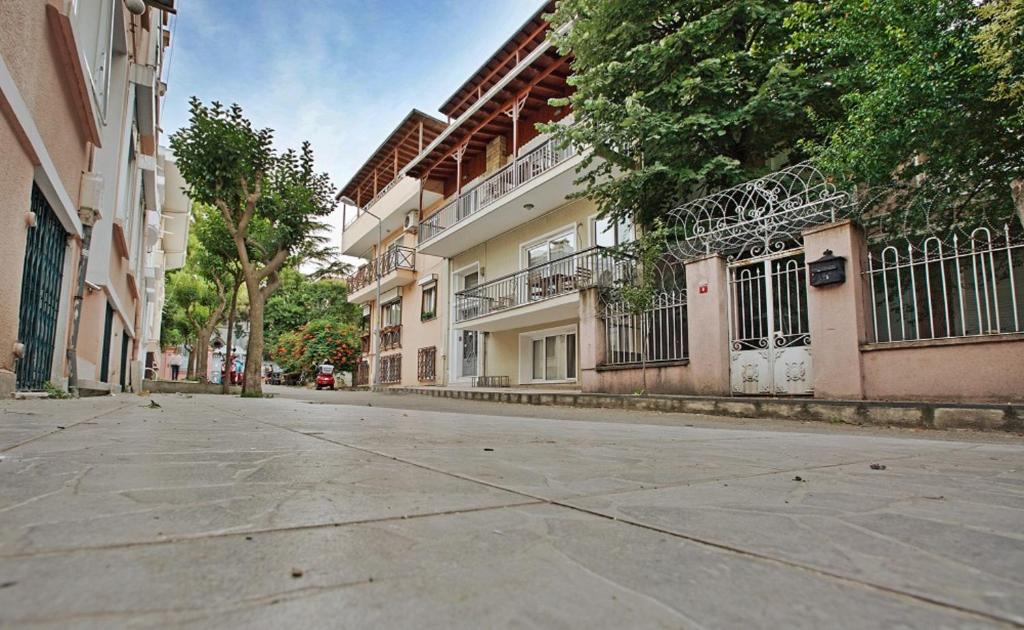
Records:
x=468, y=341
x=40, y=295
x=770, y=341
x=124, y=361
x=108, y=325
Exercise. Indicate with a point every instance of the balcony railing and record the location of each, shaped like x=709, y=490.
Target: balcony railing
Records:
x=392, y=259
x=391, y=337
x=594, y=267
x=523, y=170
x=365, y=343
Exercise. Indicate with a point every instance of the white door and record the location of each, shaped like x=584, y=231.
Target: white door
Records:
x=467, y=342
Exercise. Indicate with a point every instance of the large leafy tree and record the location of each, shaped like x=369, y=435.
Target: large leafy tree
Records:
x=301, y=299
x=681, y=97
x=272, y=203
x=920, y=96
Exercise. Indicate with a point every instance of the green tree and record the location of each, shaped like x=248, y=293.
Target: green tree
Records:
x=918, y=97
x=680, y=97
x=191, y=300
x=301, y=299
x=272, y=203
x=218, y=259
x=1001, y=45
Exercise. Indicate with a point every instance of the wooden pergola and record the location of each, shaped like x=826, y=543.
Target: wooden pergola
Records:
x=410, y=137
x=544, y=77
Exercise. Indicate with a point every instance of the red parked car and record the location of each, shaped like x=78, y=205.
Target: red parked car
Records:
x=325, y=376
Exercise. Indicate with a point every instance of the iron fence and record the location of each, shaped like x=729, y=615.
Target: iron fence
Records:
x=596, y=266
x=392, y=259
x=961, y=285
x=524, y=169
x=657, y=334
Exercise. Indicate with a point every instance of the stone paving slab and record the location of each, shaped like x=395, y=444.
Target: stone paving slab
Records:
x=196, y=512
x=539, y=566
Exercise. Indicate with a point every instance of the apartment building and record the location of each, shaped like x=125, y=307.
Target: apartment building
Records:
x=398, y=288
x=80, y=89
x=520, y=252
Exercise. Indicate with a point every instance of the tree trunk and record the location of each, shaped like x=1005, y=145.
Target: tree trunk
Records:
x=252, y=385
x=202, y=354
x=225, y=381
x=190, y=373
x=1017, y=190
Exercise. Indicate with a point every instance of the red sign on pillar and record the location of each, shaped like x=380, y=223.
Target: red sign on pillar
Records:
x=702, y=288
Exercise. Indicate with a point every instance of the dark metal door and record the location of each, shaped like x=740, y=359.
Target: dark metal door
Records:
x=108, y=324
x=40, y=294
x=124, y=360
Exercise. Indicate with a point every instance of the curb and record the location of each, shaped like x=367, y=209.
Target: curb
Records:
x=927, y=415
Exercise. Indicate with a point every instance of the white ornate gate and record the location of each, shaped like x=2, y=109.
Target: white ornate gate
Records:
x=769, y=340
x=756, y=226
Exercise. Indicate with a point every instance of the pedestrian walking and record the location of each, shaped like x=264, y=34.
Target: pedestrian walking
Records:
x=175, y=363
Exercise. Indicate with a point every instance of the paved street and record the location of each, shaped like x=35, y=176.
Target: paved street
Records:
x=317, y=509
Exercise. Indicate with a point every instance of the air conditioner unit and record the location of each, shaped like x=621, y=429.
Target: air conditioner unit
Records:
x=412, y=221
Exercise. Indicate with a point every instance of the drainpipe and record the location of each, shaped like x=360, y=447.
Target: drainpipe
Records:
x=88, y=217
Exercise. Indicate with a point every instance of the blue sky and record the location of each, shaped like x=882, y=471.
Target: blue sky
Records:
x=340, y=73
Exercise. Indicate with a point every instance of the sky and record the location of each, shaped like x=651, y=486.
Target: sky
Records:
x=339, y=73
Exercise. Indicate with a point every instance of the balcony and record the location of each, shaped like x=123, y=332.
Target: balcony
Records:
x=542, y=293
x=540, y=179
x=391, y=338
x=392, y=203
x=397, y=267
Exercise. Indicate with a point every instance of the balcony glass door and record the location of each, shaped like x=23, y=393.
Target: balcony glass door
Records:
x=554, y=357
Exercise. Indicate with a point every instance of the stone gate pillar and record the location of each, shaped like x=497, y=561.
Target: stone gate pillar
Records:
x=707, y=309
x=591, y=339
x=838, y=314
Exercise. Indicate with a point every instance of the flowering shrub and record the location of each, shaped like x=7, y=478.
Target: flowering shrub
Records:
x=319, y=341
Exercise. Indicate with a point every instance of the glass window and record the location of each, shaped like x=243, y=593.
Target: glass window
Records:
x=93, y=24
x=551, y=249
x=554, y=357
x=429, y=307
x=609, y=233
x=391, y=314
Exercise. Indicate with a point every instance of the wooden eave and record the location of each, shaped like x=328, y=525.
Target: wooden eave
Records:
x=544, y=79
x=528, y=37
x=399, y=148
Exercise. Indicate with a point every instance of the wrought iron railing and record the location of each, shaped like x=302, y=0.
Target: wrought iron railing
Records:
x=963, y=285
x=597, y=266
x=426, y=364
x=524, y=169
x=365, y=343
x=391, y=369
x=391, y=337
x=656, y=334
x=392, y=259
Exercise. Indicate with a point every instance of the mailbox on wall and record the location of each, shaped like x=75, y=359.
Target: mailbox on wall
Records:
x=827, y=270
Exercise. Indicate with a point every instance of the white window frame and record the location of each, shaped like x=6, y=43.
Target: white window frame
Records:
x=526, y=246
x=594, y=233
x=98, y=61
x=526, y=340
